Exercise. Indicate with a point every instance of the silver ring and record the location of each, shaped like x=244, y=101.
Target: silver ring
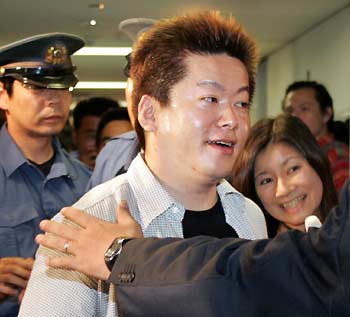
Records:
x=65, y=247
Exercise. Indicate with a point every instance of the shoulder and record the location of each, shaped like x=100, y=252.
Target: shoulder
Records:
x=101, y=201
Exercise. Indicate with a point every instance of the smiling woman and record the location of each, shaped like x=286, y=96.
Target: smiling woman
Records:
x=283, y=169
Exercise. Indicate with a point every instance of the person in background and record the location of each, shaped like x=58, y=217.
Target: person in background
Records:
x=86, y=116
x=115, y=158
x=294, y=274
x=37, y=177
x=311, y=102
x=283, y=170
x=193, y=120
x=113, y=122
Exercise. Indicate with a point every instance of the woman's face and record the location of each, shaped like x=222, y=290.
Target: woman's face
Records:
x=288, y=187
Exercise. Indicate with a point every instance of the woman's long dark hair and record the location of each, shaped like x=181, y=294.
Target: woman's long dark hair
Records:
x=292, y=131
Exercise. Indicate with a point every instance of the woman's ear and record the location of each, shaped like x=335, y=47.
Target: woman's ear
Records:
x=146, y=113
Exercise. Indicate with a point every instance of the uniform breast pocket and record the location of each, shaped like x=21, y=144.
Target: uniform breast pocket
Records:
x=18, y=227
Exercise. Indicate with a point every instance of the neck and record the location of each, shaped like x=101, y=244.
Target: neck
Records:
x=34, y=148
x=322, y=133
x=193, y=193
x=284, y=227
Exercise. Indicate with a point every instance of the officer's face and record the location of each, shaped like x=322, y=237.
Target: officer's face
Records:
x=205, y=124
x=35, y=112
x=85, y=139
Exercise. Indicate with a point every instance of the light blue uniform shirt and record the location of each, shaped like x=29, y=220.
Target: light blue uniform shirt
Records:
x=27, y=197
x=115, y=158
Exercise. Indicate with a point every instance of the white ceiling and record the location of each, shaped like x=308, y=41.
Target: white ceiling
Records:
x=272, y=22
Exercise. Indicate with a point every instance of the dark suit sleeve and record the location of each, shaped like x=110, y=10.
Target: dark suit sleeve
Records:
x=295, y=274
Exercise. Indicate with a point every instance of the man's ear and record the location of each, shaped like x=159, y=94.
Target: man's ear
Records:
x=327, y=114
x=146, y=113
x=3, y=97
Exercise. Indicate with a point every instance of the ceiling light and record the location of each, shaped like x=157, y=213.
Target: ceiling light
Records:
x=92, y=22
x=98, y=5
x=101, y=85
x=103, y=51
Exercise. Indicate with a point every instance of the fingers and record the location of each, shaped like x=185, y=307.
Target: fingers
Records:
x=79, y=217
x=127, y=224
x=123, y=213
x=21, y=295
x=16, y=265
x=14, y=280
x=7, y=290
x=54, y=242
x=59, y=229
x=66, y=262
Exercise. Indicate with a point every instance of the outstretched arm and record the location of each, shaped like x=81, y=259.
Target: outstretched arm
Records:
x=87, y=243
x=295, y=274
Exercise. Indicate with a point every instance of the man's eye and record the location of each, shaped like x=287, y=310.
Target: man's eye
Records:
x=243, y=104
x=210, y=99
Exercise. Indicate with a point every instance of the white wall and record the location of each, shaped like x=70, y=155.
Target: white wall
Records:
x=323, y=53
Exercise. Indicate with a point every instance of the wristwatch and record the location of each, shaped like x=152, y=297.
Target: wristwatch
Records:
x=114, y=250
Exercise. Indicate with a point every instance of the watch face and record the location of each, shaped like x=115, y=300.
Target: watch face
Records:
x=113, y=251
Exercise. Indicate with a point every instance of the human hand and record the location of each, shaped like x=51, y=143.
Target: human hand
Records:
x=87, y=244
x=14, y=275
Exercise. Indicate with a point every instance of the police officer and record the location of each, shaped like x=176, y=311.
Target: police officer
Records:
x=37, y=177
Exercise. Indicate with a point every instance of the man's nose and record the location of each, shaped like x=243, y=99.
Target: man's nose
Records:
x=228, y=117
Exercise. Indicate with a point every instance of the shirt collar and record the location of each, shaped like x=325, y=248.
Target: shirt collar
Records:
x=62, y=165
x=325, y=139
x=228, y=193
x=12, y=158
x=152, y=199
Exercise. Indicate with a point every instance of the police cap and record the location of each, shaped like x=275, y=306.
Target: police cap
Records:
x=42, y=60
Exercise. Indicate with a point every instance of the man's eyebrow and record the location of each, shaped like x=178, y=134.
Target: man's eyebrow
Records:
x=215, y=84
x=209, y=82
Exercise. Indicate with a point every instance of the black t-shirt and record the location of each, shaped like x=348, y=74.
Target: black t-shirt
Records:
x=210, y=222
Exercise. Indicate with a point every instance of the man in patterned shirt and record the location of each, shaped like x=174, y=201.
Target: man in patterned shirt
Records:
x=194, y=78
x=311, y=102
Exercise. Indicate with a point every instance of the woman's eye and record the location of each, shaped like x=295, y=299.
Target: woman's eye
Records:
x=210, y=99
x=265, y=181
x=293, y=169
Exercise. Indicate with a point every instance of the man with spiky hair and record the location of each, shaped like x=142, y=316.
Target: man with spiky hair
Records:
x=194, y=78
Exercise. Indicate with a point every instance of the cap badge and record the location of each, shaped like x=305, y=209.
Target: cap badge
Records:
x=56, y=54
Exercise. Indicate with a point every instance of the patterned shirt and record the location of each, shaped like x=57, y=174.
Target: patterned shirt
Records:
x=338, y=156
x=58, y=292
x=27, y=196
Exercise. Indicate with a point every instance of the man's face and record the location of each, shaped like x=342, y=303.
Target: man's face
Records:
x=113, y=128
x=205, y=124
x=303, y=104
x=35, y=112
x=85, y=138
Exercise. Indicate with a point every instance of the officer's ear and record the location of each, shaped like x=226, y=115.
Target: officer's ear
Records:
x=146, y=113
x=3, y=97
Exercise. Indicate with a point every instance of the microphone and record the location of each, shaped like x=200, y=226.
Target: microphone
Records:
x=312, y=221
